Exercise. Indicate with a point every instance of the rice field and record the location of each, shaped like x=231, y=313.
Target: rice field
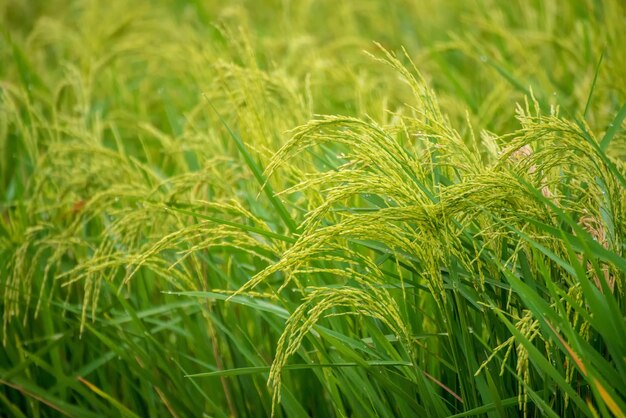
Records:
x=313, y=208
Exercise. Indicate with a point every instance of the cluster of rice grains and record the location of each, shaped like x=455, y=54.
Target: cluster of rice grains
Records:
x=200, y=214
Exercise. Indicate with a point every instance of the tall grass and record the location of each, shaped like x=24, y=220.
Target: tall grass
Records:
x=312, y=208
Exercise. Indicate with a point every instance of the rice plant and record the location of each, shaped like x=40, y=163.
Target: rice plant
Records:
x=313, y=208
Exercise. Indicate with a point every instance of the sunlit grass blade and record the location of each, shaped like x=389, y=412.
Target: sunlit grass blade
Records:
x=613, y=128
x=257, y=171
